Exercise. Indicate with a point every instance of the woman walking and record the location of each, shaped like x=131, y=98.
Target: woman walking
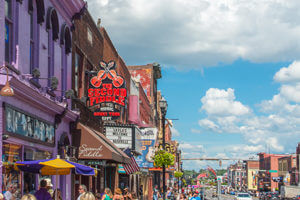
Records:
x=107, y=194
x=118, y=195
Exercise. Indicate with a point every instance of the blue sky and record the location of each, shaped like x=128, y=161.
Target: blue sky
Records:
x=230, y=69
x=252, y=82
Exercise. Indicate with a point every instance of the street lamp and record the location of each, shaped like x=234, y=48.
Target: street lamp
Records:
x=6, y=90
x=163, y=107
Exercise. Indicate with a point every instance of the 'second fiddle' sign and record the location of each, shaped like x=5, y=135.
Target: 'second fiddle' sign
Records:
x=107, y=94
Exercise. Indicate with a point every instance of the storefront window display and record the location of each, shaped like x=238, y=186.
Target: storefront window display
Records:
x=22, y=124
x=10, y=174
x=32, y=180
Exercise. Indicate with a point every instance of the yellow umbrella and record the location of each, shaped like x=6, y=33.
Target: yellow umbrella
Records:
x=56, y=167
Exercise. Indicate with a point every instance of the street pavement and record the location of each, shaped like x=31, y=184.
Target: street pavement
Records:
x=209, y=193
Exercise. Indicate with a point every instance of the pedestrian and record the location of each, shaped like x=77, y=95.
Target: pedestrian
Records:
x=82, y=189
x=127, y=194
x=8, y=195
x=118, y=195
x=28, y=197
x=98, y=196
x=156, y=194
x=107, y=194
x=169, y=193
x=42, y=193
x=141, y=192
x=87, y=196
x=49, y=186
x=195, y=197
x=58, y=194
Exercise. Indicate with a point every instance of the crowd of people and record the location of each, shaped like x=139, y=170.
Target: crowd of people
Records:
x=46, y=193
x=173, y=194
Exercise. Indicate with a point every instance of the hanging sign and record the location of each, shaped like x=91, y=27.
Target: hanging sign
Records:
x=107, y=93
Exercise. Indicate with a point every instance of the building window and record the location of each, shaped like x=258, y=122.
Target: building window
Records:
x=53, y=29
x=90, y=35
x=65, y=41
x=8, y=30
x=77, y=74
x=31, y=50
x=11, y=154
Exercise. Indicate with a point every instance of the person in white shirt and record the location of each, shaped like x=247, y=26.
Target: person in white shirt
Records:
x=82, y=189
x=9, y=192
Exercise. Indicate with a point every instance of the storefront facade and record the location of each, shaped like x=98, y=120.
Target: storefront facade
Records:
x=35, y=120
x=95, y=150
x=33, y=128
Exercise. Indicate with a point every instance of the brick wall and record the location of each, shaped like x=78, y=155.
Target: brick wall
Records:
x=91, y=54
x=109, y=54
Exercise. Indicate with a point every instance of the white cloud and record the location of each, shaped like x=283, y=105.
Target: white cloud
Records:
x=275, y=125
x=206, y=123
x=174, y=132
x=222, y=103
x=289, y=74
x=193, y=34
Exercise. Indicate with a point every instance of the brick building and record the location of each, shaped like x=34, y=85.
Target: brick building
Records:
x=88, y=50
x=298, y=164
x=287, y=169
x=148, y=75
x=268, y=162
x=252, y=169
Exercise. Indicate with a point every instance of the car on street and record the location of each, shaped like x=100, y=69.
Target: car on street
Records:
x=243, y=196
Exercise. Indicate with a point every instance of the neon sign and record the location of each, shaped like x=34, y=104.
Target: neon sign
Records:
x=107, y=93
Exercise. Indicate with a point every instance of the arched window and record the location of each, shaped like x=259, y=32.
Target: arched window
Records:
x=65, y=38
x=52, y=22
x=52, y=27
x=34, y=34
x=65, y=41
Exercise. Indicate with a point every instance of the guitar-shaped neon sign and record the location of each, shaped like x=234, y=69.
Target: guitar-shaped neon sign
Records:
x=107, y=72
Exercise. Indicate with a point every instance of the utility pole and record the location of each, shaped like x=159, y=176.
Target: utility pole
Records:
x=163, y=107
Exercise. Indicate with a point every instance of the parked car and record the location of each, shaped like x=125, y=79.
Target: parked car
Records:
x=243, y=196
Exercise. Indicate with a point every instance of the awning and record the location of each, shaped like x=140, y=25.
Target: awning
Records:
x=95, y=146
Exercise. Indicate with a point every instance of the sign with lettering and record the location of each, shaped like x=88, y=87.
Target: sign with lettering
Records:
x=25, y=125
x=107, y=93
x=88, y=152
x=149, y=133
x=125, y=136
x=120, y=136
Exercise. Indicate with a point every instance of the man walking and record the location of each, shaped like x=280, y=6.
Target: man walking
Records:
x=42, y=193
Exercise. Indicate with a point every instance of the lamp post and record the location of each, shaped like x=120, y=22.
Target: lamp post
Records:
x=163, y=107
x=6, y=90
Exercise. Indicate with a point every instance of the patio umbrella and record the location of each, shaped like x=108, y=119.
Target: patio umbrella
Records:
x=55, y=166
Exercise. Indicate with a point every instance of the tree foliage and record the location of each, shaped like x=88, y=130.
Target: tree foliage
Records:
x=178, y=174
x=163, y=158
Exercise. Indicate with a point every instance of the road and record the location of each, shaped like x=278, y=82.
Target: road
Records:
x=209, y=193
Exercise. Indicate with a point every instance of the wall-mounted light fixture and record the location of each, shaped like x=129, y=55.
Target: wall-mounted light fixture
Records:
x=6, y=90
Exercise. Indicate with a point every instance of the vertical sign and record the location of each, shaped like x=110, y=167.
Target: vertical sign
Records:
x=107, y=93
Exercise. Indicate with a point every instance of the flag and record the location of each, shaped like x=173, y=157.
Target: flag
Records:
x=132, y=166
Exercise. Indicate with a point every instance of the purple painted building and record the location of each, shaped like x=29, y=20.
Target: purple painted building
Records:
x=35, y=122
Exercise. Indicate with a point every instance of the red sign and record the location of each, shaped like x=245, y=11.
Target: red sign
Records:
x=107, y=93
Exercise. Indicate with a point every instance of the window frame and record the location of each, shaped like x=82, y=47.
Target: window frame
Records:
x=9, y=25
